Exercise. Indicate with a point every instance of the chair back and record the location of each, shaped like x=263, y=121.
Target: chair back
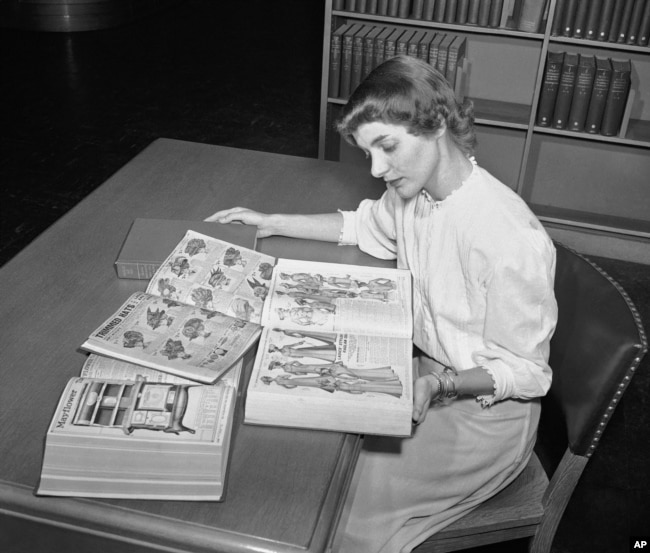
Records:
x=598, y=344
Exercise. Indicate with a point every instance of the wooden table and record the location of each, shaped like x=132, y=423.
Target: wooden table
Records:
x=285, y=486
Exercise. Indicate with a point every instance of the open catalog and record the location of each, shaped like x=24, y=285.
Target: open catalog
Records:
x=335, y=352
x=199, y=314
x=125, y=431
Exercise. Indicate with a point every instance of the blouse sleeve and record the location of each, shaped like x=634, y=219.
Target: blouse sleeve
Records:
x=521, y=315
x=372, y=227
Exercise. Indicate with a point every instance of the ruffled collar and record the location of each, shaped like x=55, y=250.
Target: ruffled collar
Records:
x=451, y=198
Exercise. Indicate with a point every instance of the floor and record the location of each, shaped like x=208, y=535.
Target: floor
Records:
x=75, y=107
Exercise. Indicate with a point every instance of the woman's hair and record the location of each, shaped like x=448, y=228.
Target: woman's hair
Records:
x=407, y=91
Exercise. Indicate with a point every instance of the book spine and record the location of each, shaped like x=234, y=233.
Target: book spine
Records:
x=565, y=91
x=591, y=30
x=413, y=47
x=423, y=47
x=136, y=270
x=357, y=61
x=443, y=54
x=380, y=44
x=558, y=16
x=418, y=9
x=393, y=8
x=605, y=21
x=580, y=19
x=371, y=7
x=626, y=16
x=433, y=51
x=644, y=28
x=390, y=48
x=427, y=10
x=569, y=17
x=450, y=11
x=582, y=93
x=439, y=11
x=550, y=85
x=401, y=45
x=616, y=98
x=382, y=7
x=496, y=9
x=335, y=66
x=530, y=15
x=615, y=23
x=361, y=6
x=598, y=96
x=338, y=4
x=461, y=12
x=484, y=13
x=351, y=5
x=346, y=64
x=368, y=55
x=635, y=21
x=473, y=11
x=404, y=8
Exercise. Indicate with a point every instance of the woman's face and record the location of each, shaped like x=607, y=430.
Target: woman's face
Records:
x=407, y=163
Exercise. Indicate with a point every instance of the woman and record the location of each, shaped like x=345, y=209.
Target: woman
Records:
x=484, y=309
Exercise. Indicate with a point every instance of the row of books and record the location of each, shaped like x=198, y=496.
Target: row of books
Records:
x=620, y=21
x=585, y=93
x=526, y=15
x=356, y=49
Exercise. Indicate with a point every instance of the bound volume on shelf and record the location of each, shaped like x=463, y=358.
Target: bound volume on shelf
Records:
x=335, y=352
x=598, y=95
x=565, y=90
x=121, y=431
x=617, y=94
x=582, y=93
x=550, y=85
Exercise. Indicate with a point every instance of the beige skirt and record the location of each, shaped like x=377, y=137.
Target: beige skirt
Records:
x=405, y=490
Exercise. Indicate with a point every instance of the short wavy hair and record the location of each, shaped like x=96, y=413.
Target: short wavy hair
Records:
x=408, y=91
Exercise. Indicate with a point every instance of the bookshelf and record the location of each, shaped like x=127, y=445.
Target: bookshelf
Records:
x=592, y=192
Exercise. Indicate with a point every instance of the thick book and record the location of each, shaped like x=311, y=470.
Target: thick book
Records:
x=530, y=15
x=335, y=353
x=427, y=10
x=462, y=12
x=199, y=314
x=635, y=21
x=484, y=13
x=626, y=18
x=345, y=86
x=605, y=20
x=418, y=9
x=550, y=85
x=644, y=27
x=413, y=49
x=619, y=88
x=382, y=7
x=450, y=11
x=598, y=95
x=425, y=45
x=439, y=11
x=443, y=53
x=391, y=44
x=434, y=48
x=356, y=73
x=149, y=241
x=338, y=4
x=455, y=57
x=558, y=17
x=473, y=10
x=335, y=61
x=593, y=19
x=580, y=19
x=369, y=42
x=361, y=6
x=351, y=5
x=393, y=8
x=380, y=46
x=615, y=23
x=404, y=8
x=568, y=17
x=371, y=7
x=121, y=431
x=565, y=90
x=582, y=93
x=496, y=11
x=402, y=44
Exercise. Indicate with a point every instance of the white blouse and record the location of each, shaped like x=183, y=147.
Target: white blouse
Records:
x=483, y=270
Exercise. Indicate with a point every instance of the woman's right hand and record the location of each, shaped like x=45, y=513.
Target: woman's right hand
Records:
x=244, y=216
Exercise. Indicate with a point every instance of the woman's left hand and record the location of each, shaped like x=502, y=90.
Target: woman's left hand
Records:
x=424, y=389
